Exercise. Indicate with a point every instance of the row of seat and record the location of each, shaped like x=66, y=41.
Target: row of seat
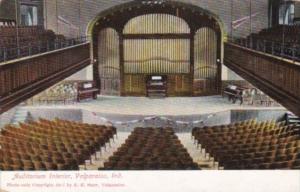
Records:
x=289, y=32
x=26, y=30
x=283, y=40
x=282, y=33
x=7, y=23
x=151, y=149
x=24, y=41
x=251, y=145
x=26, y=35
x=51, y=145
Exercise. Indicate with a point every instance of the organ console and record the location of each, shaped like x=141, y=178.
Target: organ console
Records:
x=86, y=90
x=156, y=85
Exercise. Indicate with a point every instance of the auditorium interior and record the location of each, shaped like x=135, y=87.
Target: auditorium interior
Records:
x=149, y=85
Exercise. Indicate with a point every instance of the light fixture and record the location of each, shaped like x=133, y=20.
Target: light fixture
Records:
x=153, y=2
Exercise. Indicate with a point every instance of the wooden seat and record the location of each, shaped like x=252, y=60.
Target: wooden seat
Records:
x=50, y=166
x=38, y=165
x=250, y=146
x=151, y=149
x=52, y=145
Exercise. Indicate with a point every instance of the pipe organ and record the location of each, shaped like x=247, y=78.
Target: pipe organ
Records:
x=205, y=62
x=157, y=44
x=156, y=24
x=157, y=56
x=109, y=61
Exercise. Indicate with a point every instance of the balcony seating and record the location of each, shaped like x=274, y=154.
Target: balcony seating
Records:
x=7, y=22
x=151, y=149
x=287, y=33
x=283, y=40
x=51, y=145
x=27, y=35
x=251, y=145
x=291, y=34
x=31, y=40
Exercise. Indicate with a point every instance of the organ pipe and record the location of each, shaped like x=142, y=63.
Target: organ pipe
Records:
x=156, y=56
x=166, y=55
x=156, y=24
x=109, y=61
x=205, y=66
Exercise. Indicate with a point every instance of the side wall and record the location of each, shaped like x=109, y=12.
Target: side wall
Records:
x=7, y=10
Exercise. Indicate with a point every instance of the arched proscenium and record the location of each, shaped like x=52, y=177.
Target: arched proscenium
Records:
x=195, y=17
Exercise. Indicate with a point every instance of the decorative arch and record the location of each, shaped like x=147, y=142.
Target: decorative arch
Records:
x=139, y=8
x=129, y=21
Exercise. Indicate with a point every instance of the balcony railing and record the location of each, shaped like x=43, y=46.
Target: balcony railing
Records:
x=23, y=78
x=7, y=54
x=285, y=50
x=275, y=76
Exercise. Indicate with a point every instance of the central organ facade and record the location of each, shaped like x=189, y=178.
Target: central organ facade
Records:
x=166, y=44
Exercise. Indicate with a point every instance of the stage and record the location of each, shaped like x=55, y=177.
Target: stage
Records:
x=181, y=113
x=170, y=106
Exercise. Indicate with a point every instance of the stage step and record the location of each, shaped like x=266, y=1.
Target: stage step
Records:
x=157, y=95
x=292, y=119
x=20, y=116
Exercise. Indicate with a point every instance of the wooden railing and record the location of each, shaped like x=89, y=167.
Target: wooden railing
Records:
x=22, y=78
x=277, y=77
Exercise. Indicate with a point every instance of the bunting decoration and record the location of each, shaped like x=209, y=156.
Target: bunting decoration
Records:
x=153, y=119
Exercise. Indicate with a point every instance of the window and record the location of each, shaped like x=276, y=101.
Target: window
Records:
x=286, y=14
x=29, y=15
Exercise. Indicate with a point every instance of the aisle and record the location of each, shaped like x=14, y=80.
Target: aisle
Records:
x=204, y=162
x=100, y=158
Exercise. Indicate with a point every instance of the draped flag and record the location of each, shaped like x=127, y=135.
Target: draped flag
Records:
x=237, y=23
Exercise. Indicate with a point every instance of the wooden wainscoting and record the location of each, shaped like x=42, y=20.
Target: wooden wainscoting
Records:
x=178, y=85
x=205, y=87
